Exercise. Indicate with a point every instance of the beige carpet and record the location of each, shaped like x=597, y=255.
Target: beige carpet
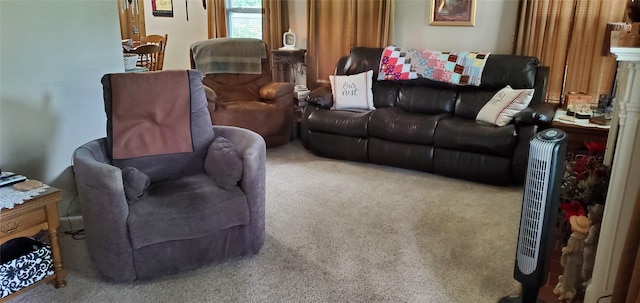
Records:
x=341, y=231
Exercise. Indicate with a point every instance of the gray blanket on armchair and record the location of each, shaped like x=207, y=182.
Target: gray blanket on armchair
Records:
x=229, y=55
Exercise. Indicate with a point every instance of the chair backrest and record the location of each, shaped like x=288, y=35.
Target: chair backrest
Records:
x=147, y=56
x=231, y=87
x=160, y=41
x=157, y=122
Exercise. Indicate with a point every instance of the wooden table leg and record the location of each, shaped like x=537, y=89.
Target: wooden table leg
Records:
x=56, y=254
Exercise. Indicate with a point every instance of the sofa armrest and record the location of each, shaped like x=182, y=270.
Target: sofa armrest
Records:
x=540, y=87
x=274, y=90
x=104, y=210
x=252, y=149
x=538, y=114
x=321, y=97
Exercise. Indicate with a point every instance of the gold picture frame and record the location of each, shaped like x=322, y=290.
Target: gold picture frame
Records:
x=162, y=8
x=453, y=12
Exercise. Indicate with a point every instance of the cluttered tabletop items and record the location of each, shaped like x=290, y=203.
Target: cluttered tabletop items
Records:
x=15, y=189
x=577, y=110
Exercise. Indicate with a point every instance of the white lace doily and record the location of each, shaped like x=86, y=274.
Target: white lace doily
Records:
x=10, y=197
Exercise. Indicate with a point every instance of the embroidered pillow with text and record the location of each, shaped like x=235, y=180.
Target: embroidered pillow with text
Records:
x=353, y=91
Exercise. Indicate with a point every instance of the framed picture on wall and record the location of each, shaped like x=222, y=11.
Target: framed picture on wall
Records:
x=453, y=12
x=162, y=8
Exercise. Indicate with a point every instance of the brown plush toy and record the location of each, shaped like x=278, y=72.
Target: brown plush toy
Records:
x=570, y=281
x=591, y=242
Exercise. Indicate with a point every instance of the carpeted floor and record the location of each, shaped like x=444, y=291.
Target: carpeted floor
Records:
x=341, y=231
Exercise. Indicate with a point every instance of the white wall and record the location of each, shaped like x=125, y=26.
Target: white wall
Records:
x=493, y=31
x=181, y=32
x=52, y=56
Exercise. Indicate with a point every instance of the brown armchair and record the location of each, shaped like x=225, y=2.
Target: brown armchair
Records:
x=244, y=96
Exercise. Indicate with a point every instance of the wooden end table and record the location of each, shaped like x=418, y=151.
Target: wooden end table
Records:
x=26, y=220
x=579, y=132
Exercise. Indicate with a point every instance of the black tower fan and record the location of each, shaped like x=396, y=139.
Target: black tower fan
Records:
x=545, y=169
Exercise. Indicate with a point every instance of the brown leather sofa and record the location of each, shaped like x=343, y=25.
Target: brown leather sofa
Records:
x=430, y=126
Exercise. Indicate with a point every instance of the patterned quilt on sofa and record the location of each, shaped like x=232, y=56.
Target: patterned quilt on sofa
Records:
x=459, y=68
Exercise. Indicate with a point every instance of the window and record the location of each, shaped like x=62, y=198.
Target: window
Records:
x=244, y=18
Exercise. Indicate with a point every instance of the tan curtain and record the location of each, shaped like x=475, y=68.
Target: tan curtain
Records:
x=567, y=36
x=275, y=22
x=216, y=19
x=337, y=26
x=627, y=285
x=131, y=15
x=587, y=70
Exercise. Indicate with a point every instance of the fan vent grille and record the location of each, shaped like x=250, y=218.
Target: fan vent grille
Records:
x=534, y=202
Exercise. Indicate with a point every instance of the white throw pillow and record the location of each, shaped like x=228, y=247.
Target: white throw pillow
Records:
x=504, y=105
x=352, y=92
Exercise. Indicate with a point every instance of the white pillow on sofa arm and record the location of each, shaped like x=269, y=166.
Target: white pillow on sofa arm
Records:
x=505, y=105
x=353, y=91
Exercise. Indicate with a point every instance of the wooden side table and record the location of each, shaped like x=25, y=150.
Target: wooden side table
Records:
x=284, y=62
x=26, y=220
x=580, y=132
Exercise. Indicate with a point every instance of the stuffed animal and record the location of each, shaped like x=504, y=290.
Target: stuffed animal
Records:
x=591, y=242
x=569, y=282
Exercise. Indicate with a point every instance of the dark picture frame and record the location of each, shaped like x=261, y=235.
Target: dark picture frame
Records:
x=453, y=12
x=162, y=8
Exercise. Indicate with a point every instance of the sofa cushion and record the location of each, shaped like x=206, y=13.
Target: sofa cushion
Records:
x=470, y=136
x=353, y=91
x=472, y=166
x=396, y=125
x=360, y=59
x=185, y=208
x=470, y=101
x=504, y=105
x=405, y=155
x=426, y=100
x=504, y=69
x=339, y=147
x=340, y=122
x=261, y=117
x=385, y=93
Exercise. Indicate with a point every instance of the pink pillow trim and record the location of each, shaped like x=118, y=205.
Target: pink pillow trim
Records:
x=366, y=101
x=517, y=97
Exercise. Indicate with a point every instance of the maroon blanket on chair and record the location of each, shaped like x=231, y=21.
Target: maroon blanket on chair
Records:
x=151, y=114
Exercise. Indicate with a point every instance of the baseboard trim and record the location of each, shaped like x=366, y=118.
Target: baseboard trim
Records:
x=71, y=223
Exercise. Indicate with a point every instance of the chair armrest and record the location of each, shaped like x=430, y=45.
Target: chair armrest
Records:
x=104, y=209
x=211, y=98
x=321, y=97
x=274, y=90
x=539, y=114
x=252, y=149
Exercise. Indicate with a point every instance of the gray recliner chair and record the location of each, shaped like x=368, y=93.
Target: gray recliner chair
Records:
x=166, y=191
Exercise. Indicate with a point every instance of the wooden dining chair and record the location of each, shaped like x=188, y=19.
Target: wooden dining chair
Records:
x=147, y=56
x=160, y=41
